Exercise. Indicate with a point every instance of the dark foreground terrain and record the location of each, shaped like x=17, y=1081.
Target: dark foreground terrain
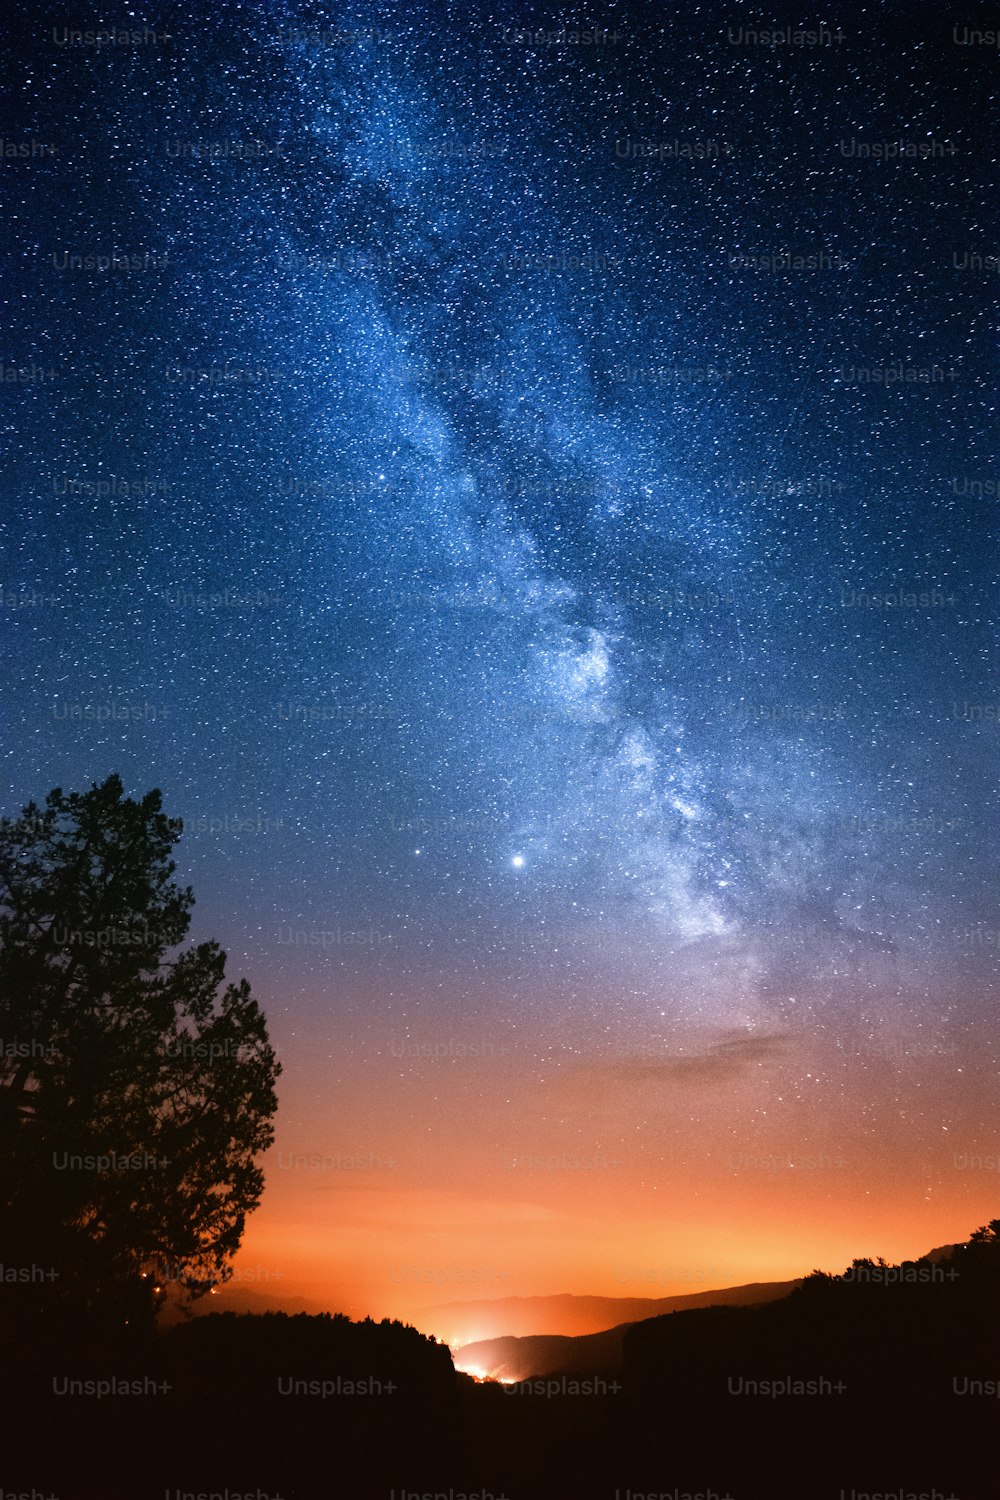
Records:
x=882, y=1382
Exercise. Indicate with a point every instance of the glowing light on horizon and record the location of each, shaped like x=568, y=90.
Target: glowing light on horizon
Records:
x=479, y=1373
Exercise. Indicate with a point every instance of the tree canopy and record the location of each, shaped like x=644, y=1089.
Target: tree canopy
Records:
x=137, y=1087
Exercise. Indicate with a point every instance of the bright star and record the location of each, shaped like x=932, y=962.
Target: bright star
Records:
x=517, y=861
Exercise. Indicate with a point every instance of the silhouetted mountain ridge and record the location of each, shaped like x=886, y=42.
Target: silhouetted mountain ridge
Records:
x=566, y=1314
x=882, y=1376
x=600, y=1353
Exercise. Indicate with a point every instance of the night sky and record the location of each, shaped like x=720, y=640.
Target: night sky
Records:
x=530, y=505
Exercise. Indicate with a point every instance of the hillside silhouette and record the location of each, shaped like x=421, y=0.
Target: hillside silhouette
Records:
x=600, y=1353
x=882, y=1380
x=570, y=1315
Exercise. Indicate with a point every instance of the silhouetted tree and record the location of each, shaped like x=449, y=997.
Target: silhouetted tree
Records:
x=135, y=1091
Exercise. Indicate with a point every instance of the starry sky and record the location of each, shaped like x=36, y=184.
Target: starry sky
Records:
x=529, y=503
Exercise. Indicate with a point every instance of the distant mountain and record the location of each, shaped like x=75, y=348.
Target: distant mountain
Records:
x=604, y=1353
x=544, y=1350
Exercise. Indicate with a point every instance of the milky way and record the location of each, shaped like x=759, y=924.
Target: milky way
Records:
x=547, y=484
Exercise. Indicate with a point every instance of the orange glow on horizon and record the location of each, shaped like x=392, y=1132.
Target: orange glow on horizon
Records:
x=418, y=1187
